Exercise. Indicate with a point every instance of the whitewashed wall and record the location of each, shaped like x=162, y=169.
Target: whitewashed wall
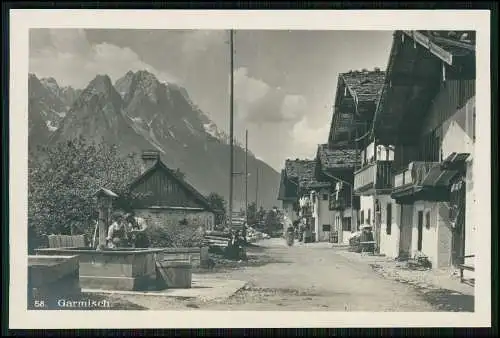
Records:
x=458, y=132
x=389, y=243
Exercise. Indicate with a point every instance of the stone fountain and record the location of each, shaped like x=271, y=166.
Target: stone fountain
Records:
x=111, y=269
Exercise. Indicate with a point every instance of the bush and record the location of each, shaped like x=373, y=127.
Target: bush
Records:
x=177, y=236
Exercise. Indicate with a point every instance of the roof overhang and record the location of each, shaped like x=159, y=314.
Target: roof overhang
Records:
x=417, y=66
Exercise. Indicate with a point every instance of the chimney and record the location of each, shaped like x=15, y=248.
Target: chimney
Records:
x=149, y=158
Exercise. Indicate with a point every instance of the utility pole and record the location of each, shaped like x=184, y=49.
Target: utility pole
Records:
x=231, y=131
x=354, y=226
x=246, y=175
x=257, y=189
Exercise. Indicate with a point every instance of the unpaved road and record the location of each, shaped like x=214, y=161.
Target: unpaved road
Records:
x=305, y=277
x=314, y=277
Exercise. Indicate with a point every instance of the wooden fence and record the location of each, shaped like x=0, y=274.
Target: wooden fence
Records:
x=65, y=241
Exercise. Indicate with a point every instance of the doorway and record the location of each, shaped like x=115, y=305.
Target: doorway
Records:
x=457, y=218
x=420, y=225
x=405, y=230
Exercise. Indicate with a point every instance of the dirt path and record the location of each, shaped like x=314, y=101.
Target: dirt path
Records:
x=314, y=277
x=306, y=278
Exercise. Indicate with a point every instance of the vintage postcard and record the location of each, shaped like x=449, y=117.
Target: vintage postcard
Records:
x=293, y=169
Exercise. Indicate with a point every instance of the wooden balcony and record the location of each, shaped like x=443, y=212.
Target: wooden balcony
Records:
x=340, y=200
x=408, y=183
x=374, y=177
x=413, y=175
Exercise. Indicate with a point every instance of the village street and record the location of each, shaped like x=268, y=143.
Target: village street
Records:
x=312, y=277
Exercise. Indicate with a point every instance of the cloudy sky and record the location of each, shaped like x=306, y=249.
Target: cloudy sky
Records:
x=285, y=81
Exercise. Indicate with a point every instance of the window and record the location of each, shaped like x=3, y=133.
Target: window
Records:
x=369, y=219
x=346, y=224
x=326, y=227
x=325, y=197
x=362, y=216
x=428, y=220
x=388, y=219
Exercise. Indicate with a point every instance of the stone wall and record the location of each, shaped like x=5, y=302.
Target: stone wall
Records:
x=167, y=217
x=169, y=222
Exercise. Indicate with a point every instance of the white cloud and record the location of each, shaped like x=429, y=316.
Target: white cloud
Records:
x=257, y=101
x=293, y=107
x=305, y=137
x=248, y=90
x=71, y=60
x=197, y=41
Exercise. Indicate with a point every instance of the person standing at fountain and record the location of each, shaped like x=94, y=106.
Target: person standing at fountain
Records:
x=117, y=232
x=137, y=227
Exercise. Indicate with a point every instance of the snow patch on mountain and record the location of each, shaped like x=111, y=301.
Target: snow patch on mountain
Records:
x=189, y=126
x=212, y=130
x=51, y=126
x=136, y=120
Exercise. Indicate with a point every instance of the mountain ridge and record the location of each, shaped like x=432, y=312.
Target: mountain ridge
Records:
x=138, y=112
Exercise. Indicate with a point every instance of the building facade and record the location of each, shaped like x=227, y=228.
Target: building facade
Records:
x=166, y=201
x=336, y=166
x=427, y=111
x=355, y=104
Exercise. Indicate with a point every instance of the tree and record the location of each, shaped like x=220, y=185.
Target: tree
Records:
x=217, y=202
x=272, y=220
x=261, y=214
x=63, y=178
x=252, y=213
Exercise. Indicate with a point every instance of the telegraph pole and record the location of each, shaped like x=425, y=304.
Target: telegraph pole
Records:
x=231, y=131
x=257, y=188
x=246, y=175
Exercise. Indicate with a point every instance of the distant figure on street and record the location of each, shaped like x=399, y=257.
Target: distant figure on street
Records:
x=137, y=227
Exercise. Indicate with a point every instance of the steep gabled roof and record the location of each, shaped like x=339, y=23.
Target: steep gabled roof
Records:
x=308, y=178
x=445, y=45
x=363, y=85
x=303, y=174
x=456, y=49
x=159, y=165
x=296, y=168
x=331, y=159
x=361, y=89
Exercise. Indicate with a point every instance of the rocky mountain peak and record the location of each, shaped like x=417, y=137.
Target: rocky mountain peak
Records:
x=101, y=88
x=136, y=113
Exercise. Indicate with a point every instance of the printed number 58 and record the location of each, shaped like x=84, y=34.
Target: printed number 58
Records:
x=39, y=303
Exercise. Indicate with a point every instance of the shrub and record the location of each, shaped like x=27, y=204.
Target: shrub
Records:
x=174, y=236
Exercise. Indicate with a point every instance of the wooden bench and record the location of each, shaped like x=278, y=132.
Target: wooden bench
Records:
x=464, y=266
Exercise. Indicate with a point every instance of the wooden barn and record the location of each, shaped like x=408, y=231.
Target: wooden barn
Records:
x=166, y=199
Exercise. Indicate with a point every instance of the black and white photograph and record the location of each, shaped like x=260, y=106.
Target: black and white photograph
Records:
x=327, y=171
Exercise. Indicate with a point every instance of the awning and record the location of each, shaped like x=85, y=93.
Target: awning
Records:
x=439, y=177
x=454, y=160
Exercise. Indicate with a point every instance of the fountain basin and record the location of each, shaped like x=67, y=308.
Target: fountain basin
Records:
x=112, y=269
x=51, y=276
